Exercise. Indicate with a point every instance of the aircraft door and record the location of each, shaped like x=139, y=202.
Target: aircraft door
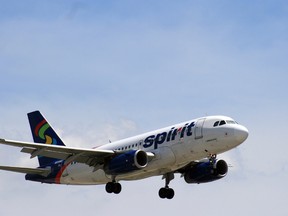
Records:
x=199, y=128
x=139, y=145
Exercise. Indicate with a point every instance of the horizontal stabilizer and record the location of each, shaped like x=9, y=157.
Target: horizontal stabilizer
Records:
x=37, y=171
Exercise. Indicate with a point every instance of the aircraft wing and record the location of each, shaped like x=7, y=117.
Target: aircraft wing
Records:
x=92, y=157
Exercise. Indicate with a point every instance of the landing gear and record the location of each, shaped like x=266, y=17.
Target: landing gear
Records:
x=167, y=192
x=113, y=187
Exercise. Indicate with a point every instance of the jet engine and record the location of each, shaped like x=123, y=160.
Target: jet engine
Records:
x=207, y=171
x=127, y=162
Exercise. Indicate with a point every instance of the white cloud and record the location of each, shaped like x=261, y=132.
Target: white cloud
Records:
x=92, y=135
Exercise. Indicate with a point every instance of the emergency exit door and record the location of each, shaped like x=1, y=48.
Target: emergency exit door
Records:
x=199, y=128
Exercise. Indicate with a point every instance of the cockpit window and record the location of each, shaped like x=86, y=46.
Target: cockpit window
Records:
x=222, y=122
x=231, y=122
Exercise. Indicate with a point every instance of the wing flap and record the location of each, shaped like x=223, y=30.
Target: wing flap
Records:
x=38, y=171
x=46, y=153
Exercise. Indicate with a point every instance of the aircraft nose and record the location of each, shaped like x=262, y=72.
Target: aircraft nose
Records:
x=241, y=133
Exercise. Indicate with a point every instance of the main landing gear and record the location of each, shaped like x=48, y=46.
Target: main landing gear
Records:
x=164, y=193
x=113, y=187
x=167, y=192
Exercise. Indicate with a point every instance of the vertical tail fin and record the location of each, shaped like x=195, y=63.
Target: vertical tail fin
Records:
x=42, y=132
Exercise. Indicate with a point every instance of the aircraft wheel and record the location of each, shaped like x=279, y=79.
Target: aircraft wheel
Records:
x=117, y=188
x=162, y=193
x=170, y=193
x=109, y=187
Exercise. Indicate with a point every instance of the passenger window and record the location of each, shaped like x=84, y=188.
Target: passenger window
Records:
x=216, y=124
x=222, y=122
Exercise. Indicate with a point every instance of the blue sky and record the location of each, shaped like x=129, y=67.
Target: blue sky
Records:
x=102, y=70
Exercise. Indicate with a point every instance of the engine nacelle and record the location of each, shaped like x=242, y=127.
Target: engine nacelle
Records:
x=127, y=162
x=206, y=172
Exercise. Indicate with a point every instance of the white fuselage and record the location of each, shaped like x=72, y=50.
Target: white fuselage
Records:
x=173, y=147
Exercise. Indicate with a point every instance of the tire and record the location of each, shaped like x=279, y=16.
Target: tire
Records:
x=170, y=193
x=117, y=188
x=162, y=193
x=109, y=187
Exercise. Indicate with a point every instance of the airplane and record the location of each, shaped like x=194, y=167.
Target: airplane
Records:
x=189, y=148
